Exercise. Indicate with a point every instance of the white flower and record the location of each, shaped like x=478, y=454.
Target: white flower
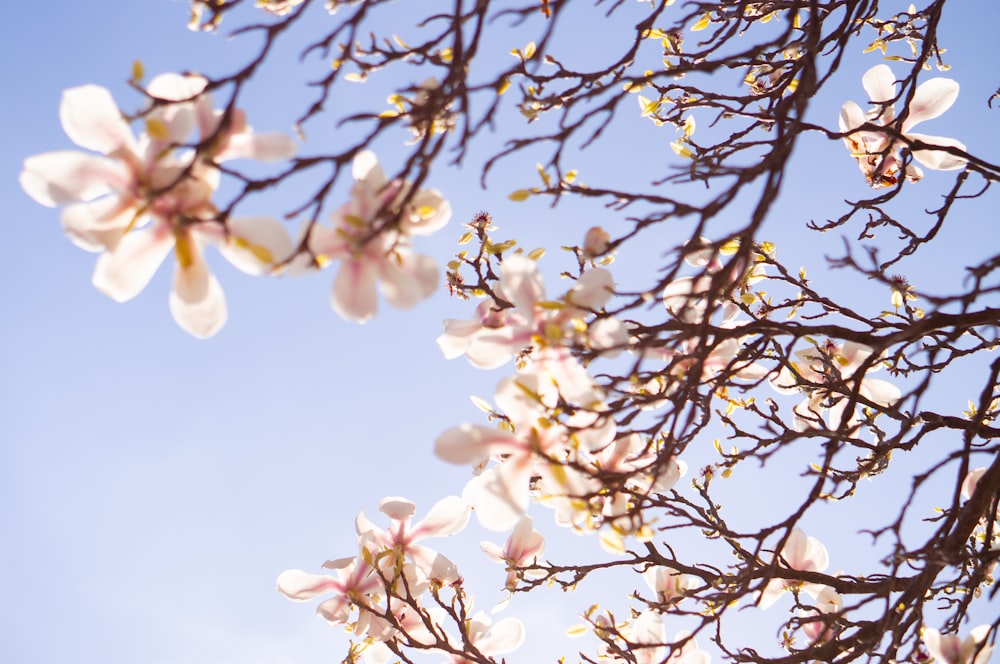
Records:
x=876, y=152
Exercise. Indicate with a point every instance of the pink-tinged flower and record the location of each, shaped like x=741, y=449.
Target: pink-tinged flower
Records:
x=522, y=549
x=828, y=602
x=142, y=198
x=805, y=554
x=491, y=639
x=876, y=152
x=669, y=585
x=544, y=328
x=390, y=549
x=971, y=481
x=353, y=586
x=371, y=236
x=833, y=364
x=952, y=649
x=538, y=445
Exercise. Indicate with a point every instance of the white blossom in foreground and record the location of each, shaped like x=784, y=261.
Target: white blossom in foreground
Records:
x=371, y=236
x=952, y=649
x=876, y=152
x=138, y=199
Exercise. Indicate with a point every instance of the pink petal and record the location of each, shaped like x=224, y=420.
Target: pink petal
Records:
x=938, y=160
x=457, y=335
x=649, y=635
x=931, y=99
x=92, y=120
x=58, y=178
x=472, y=444
x=353, y=296
x=300, y=586
x=122, y=273
x=197, y=301
x=447, y=517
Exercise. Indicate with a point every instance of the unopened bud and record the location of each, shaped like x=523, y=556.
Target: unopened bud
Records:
x=595, y=243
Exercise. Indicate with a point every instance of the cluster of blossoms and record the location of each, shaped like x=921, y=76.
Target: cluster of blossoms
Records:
x=834, y=378
x=381, y=593
x=371, y=235
x=140, y=198
x=878, y=152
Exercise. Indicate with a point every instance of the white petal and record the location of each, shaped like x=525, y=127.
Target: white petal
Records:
x=500, y=494
x=851, y=116
x=97, y=225
x=522, y=282
x=931, y=99
x=592, y=290
x=122, y=273
x=881, y=392
x=880, y=83
x=427, y=212
x=197, y=301
x=366, y=167
x=938, y=160
x=256, y=244
x=58, y=178
x=396, y=508
x=353, y=296
x=648, y=631
x=92, y=120
x=503, y=637
x=407, y=278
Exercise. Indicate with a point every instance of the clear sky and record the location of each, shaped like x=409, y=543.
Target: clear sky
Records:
x=153, y=486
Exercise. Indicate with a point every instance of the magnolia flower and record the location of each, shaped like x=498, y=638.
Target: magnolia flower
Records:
x=353, y=585
x=523, y=548
x=537, y=446
x=146, y=196
x=546, y=327
x=370, y=235
x=805, y=554
x=669, y=585
x=951, y=649
x=828, y=601
x=832, y=364
x=391, y=548
x=876, y=152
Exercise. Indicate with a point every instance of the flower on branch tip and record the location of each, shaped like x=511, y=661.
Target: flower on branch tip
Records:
x=138, y=199
x=877, y=152
x=523, y=548
x=546, y=328
x=371, y=236
x=802, y=553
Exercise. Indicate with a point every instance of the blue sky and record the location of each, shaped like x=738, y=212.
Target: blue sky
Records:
x=153, y=486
